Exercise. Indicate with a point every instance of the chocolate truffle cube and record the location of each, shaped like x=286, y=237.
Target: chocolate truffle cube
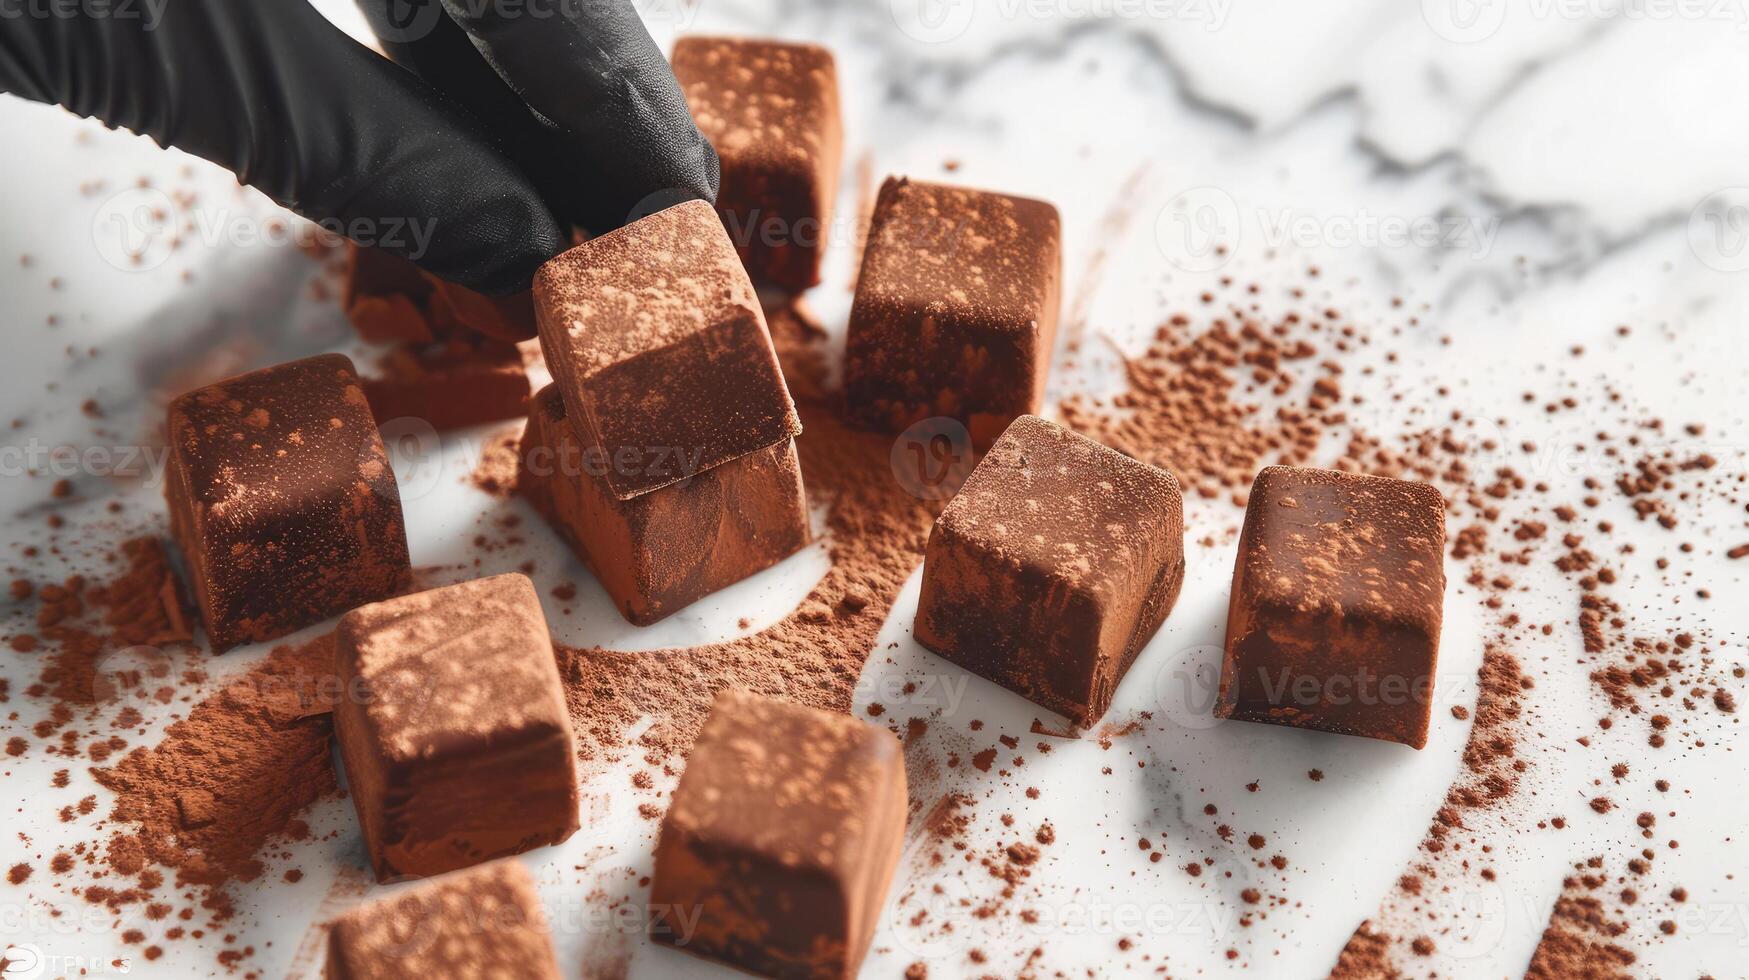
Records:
x=771, y=111
x=282, y=500
x=482, y=923
x=659, y=348
x=956, y=309
x=657, y=552
x=453, y=727
x=781, y=839
x=390, y=299
x=1052, y=568
x=468, y=379
x=1337, y=595
x=387, y=298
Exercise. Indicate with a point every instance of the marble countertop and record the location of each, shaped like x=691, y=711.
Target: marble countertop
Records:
x=1526, y=176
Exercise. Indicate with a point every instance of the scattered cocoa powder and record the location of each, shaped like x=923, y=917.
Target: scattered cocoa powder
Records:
x=1580, y=938
x=228, y=778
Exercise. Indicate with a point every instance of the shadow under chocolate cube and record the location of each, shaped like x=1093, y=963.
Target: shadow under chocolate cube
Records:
x=282, y=500
x=1337, y=598
x=1051, y=569
x=486, y=922
x=660, y=551
x=453, y=726
x=781, y=839
x=770, y=108
x=956, y=309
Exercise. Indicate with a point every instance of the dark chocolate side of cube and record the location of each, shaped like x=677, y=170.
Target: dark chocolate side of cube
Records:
x=486, y=802
x=658, y=344
x=956, y=309
x=657, y=553
x=706, y=399
x=1336, y=606
x=782, y=839
x=771, y=109
x=282, y=500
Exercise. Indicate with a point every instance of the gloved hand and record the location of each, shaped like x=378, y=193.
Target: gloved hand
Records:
x=502, y=123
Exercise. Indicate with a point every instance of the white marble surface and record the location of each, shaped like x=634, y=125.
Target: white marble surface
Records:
x=1580, y=165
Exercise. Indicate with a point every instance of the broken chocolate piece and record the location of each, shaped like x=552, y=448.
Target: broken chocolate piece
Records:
x=1052, y=568
x=454, y=729
x=282, y=500
x=657, y=552
x=1337, y=599
x=771, y=110
x=481, y=923
x=781, y=838
x=657, y=343
x=956, y=309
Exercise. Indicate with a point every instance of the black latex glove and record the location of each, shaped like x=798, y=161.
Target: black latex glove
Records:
x=538, y=116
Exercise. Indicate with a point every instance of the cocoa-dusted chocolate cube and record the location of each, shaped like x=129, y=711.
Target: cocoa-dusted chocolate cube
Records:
x=486, y=922
x=660, y=551
x=454, y=728
x=659, y=348
x=282, y=500
x=1337, y=598
x=956, y=308
x=389, y=299
x=1053, y=566
x=771, y=110
x=468, y=379
x=781, y=839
